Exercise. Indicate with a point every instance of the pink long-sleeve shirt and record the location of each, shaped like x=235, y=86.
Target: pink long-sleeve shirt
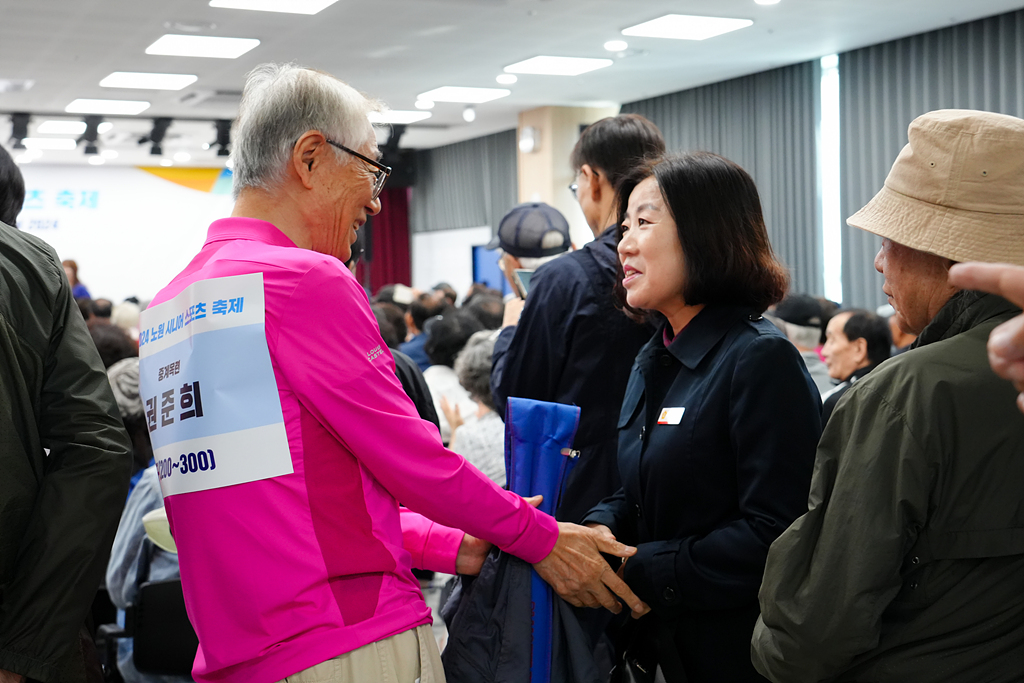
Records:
x=284, y=573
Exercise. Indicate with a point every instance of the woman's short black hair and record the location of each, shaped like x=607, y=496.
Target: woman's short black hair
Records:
x=616, y=145
x=12, y=189
x=447, y=334
x=718, y=217
x=871, y=328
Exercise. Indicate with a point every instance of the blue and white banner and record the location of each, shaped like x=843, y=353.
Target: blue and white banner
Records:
x=208, y=388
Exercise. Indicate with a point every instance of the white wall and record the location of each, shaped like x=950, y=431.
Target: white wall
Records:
x=446, y=256
x=130, y=231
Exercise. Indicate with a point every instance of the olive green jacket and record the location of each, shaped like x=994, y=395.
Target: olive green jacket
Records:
x=58, y=511
x=909, y=564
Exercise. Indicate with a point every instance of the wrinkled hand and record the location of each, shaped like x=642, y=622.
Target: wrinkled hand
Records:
x=513, y=309
x=9, y=677
x=473, y=551
x=1006, y=343
x=451, y=413
x=578, y=573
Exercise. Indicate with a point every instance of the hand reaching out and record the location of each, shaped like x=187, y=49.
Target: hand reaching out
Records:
x=578, y=573
x=473, y=551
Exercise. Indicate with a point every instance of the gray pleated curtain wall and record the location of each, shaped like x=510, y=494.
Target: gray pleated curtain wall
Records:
x=767, y=124
x=465, y=185
x=978, y=65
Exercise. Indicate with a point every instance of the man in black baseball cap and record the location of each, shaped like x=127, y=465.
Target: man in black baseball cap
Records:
x=800, y=318
x=529, y=236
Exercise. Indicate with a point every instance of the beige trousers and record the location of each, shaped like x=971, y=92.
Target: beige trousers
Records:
x=409, y=657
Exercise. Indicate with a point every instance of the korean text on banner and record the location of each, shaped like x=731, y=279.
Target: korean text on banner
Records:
x=207, y=384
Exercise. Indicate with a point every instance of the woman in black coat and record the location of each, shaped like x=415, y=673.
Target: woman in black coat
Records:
x=720, y=419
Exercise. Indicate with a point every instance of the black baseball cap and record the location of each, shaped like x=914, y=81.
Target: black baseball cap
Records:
x=799, y=309
x=523, y=230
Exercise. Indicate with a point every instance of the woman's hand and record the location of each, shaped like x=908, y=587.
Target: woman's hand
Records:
x=453, y=415
x=578, y=573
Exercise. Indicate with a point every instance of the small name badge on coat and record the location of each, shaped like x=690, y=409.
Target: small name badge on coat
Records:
x=671, y=416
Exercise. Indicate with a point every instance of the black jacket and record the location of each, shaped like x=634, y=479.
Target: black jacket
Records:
x=708, y=488
x=573, y=346
x=58, y=511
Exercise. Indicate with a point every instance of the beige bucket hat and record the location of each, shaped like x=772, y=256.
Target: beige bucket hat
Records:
x=956, y=190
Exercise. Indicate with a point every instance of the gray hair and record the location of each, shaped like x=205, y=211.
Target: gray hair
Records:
x=473, y=367
x=280, y=102
x=801, y=335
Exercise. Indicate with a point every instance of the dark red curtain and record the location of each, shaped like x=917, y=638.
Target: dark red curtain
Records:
x=389, y=254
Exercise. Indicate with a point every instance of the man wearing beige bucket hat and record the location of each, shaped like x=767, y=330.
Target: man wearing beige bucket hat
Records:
x=909, y=564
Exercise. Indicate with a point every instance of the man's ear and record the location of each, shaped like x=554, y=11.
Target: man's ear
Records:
x=862, y=349
x=307, y=154
x=594, y=178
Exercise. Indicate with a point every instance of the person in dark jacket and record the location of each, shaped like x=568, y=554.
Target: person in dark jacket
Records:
x=1006, y=343
x=571, y=345
x=720, y=417
x=909, y=563
x=856, y=342
x=64, y=457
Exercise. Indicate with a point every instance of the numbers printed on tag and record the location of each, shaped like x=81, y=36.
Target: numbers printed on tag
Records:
x=186, y=463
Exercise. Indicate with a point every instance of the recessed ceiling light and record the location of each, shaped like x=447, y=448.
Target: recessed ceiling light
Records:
x=147, y=81
x=50, y=143
x=16, y=85
x=97, y=161
x=114, y=107
x=104, y=127
x=686, y=27
x=469, y=115
x=166, y=162
x=424, y=104
x=109, y=154
x=182, y=157
x=451, y=93
x=507, y=79
x=25, y=158
x=289, y=6
x=616, y=45
x=177, y=45
x=398, y=116
x=61, y=128
x=557, y=66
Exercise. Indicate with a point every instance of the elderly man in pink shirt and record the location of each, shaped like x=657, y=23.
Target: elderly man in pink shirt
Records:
x=307, y=575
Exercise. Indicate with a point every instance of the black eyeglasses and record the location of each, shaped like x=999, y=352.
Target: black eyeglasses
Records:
x=380, y=176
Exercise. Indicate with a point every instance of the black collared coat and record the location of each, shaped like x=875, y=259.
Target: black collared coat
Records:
x=717, y=435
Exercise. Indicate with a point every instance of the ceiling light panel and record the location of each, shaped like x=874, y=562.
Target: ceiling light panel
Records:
x=686, y=27
x=112, y=107
x=462, y=95
x=289, y=6
x=398, y=116
x=148, y=81
x=50, y=143
x=61, y=128
x=557, y=66
x=176, y=45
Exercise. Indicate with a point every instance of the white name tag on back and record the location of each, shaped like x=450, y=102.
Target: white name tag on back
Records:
x=671, y=416
x=212, y=404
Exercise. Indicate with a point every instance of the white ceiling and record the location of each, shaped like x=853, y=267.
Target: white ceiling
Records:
x=395, y=49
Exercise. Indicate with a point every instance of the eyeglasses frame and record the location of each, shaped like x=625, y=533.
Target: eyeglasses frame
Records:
x=382, y=173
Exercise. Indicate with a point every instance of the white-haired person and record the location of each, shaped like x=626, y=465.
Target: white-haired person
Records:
x=909, y=563
x=307, y=576
x=481, y=441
